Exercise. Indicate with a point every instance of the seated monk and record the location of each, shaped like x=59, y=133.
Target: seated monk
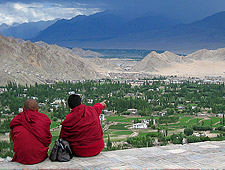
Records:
x=30, y=132
x=82, y=128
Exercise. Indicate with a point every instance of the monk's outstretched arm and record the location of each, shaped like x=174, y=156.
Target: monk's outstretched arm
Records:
x=100, y=106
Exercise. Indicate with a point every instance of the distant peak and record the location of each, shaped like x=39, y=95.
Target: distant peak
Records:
x=154, y=52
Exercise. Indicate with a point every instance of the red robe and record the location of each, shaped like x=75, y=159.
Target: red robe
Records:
x=82, y=129
x=30, y=132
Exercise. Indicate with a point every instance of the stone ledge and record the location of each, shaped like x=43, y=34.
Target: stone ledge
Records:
x=203, y=155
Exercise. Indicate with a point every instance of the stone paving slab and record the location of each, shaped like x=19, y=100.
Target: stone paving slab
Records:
x=203, y=155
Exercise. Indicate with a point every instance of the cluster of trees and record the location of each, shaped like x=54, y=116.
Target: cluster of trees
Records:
x=4, y=125
x=202, y=128
x=167, y=119
x=177, y=138
x=163, y=139
x=146, y=101
x=110, y=147
x=220, y=128
x=141, y=141
x=6, y=149
x=152, y=97
x=149, y=138
x=193, y=139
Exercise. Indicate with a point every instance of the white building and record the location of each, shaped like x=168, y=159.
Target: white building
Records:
x=54, y=105
x=193, y=107
x=220, y=115
x=102, y=117
x=196, y=134
x=2, y=90
x=35, y=98
x=107, y=111
x=154, y=122
x=132, y=111
x=71, y=92
x=161, y=114
x=90, y=101
x=20, y=110
x=140, y=126
x=145, y=121
x=57, y=101
x=41, y=104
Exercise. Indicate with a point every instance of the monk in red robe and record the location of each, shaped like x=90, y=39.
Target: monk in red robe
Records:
x=82, y=128
x=30, y=132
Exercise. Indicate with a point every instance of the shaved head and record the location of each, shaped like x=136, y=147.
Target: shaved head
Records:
x=30, y=104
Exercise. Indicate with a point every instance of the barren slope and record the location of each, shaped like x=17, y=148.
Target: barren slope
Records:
x=154, y=61
x=200, y=63
x=28, y=62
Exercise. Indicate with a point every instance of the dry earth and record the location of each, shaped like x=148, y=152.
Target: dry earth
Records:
x=197, y=68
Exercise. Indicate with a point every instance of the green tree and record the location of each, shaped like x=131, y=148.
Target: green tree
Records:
x=177, y=138
x=109, y=144
x=193, y=139
x=188, y=131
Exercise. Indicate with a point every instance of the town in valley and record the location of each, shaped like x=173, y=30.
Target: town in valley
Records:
x=143, y=111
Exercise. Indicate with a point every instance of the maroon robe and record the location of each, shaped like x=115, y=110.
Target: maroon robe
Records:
x=30, y=132
x=82, y=129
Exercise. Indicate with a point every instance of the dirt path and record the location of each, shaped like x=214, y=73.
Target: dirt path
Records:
x=206, y=118
x=190, y=120
x=106, y=127
x=217, y=123
x=134, y=134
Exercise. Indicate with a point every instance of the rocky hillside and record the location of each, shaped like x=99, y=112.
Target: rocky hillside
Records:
x=85, y=53
x=25, y=62
x=200, y=63
x=154, y=61
x=104, y=65
x=210, y=55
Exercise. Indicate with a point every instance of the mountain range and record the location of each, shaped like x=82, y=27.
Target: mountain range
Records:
x=25, y=30
x=112, y=30
x=25, y=62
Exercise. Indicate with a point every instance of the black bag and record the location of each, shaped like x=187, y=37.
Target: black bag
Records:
x=61, y=151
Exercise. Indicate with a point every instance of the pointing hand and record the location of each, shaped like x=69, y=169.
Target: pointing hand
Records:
x=103, y=104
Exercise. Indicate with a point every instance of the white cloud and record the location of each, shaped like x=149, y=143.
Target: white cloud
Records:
x=21, y=12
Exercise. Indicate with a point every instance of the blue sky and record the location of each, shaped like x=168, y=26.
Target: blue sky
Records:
x=35, y=10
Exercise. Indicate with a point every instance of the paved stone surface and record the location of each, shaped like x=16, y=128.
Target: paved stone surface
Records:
x=203, y=155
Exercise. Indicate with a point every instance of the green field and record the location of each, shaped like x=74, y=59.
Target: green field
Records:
x=117, y=131
x=194, y=121
x=55, y=133
x=183, y=120
x=54, y=124
x=119, y=127
x=123, y=132
x=114, y=118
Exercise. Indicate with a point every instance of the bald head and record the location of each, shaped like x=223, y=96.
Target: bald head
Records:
x=30, y=104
